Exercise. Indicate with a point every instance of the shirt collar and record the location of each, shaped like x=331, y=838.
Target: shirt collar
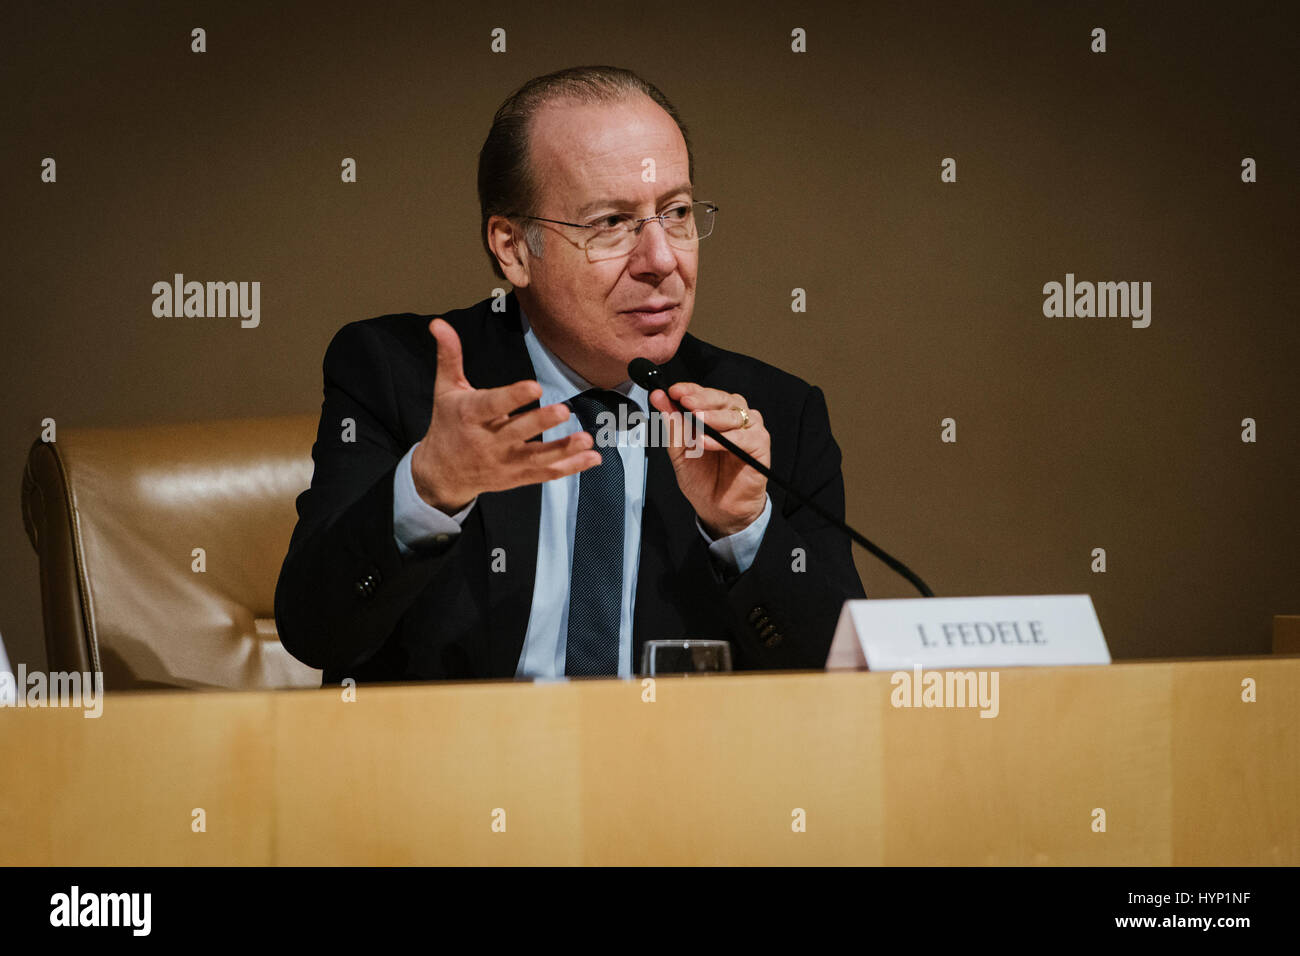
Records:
x=559, y=382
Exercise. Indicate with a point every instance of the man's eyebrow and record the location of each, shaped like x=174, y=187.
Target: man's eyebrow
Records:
x=627, y=203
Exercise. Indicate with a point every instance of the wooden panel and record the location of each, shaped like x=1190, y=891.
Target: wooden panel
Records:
x=708, y=772
x=412, y=775
x=119, y=790
x=1021, y=787
x=712, y=771
x=1236, y=764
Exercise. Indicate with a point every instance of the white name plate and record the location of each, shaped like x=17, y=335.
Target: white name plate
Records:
x=1034, y=630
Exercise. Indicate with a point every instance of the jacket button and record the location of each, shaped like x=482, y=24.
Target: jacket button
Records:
x=774, y=640
x=441, y=539
x=366, y=586
x=757, y=613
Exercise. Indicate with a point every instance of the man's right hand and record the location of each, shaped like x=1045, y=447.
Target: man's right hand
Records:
x=473, y=445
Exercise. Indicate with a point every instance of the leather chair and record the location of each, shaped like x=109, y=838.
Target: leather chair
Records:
x=116, y=516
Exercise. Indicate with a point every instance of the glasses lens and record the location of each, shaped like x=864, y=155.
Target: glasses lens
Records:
x=608, y=243
x=683, y=225
x=679, y=224
x=696, y=224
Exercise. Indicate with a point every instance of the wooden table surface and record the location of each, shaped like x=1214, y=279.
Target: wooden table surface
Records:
x=701, y=770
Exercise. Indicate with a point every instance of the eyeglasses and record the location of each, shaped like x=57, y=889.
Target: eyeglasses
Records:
x=616, y=234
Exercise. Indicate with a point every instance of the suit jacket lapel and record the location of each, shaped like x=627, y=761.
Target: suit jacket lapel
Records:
x=510, y=518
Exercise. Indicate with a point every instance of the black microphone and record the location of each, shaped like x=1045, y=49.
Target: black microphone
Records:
x=651, y=376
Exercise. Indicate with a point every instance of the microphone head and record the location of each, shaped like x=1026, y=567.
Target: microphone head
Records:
x=647, y=374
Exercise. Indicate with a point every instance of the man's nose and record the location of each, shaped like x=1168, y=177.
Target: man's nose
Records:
x=652, y=250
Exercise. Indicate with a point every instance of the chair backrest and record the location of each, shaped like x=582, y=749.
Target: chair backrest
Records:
x=160, y=547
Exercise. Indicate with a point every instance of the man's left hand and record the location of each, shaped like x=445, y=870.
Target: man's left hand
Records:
x=726, y=494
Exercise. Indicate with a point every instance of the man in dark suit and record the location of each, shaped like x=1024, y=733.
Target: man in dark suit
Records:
x=461, y=521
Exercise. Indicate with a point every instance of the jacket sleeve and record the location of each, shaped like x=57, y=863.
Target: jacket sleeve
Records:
x=785, y=607
x=344, y=583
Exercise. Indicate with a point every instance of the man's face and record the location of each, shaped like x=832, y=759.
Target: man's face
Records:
x=588, y=161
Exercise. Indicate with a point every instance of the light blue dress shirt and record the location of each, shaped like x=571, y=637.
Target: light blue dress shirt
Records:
x=415, y=521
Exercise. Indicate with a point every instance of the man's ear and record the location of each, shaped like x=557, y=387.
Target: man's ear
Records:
x=508, y=245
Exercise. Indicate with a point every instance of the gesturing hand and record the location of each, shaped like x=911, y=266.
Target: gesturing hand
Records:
x=726, y=494
x=473, y=444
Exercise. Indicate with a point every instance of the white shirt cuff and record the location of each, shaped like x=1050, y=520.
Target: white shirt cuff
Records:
x=737, y=551
x=415, y=521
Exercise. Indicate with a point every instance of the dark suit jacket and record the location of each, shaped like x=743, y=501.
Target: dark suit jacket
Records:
x=349, y=602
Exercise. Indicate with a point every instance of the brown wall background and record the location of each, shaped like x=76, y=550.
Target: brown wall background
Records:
x=924, y=298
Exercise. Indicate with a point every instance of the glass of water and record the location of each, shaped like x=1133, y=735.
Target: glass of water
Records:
x=685, y=657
